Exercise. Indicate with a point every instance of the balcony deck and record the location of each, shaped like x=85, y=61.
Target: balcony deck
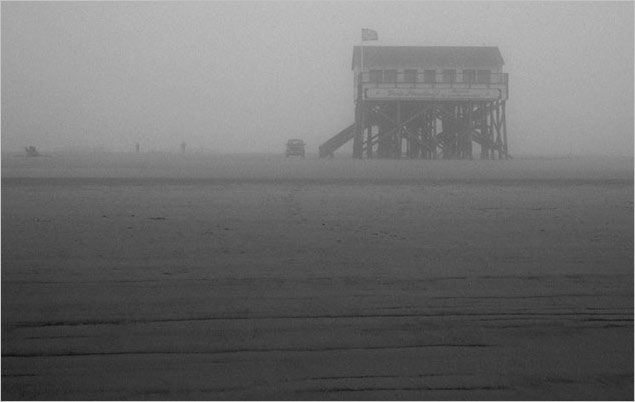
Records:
x=438, y=87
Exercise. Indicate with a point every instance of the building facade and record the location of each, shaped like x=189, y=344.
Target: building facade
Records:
x=426, y=102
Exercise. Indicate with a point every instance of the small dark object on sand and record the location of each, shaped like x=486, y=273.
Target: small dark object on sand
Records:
x=31, y=151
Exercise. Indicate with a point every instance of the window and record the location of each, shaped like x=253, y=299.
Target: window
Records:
x=449, y=76
x=469, y=76
x=374, y=76
x=429, y=76
x=410, y=76
x=483, y=76
x=390, y=76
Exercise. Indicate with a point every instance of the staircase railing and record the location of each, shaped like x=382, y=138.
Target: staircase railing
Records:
x=339, y=139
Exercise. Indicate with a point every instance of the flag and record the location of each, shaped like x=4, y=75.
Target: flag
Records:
x=369, y=34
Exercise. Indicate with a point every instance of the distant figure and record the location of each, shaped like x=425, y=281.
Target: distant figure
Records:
x=183, y=147
x=136, y=147
x=31, y=151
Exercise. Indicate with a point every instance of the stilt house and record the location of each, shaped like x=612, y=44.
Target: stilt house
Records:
x=426, y=102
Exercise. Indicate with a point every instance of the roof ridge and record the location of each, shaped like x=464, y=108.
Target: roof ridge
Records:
x=429, y=55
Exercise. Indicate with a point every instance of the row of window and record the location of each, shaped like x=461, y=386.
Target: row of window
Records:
x=429, y=76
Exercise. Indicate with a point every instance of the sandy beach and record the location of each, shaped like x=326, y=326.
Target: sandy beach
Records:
x=202, y=276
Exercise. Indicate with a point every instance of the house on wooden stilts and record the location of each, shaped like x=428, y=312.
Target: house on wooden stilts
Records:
x=426, y=102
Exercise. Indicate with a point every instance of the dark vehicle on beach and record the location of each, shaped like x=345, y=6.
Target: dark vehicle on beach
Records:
x=295, y=147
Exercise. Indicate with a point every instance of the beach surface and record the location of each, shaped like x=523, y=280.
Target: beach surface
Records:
x=202, y=276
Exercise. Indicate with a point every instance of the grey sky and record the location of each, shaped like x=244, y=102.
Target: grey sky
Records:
x=245, y=76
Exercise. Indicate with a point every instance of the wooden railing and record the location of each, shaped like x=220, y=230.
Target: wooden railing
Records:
x=401, y=78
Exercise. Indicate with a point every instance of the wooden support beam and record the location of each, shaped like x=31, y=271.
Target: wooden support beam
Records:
x=369, y=142
x=505, y=132
x=433, y=139
x=358, y=139
x=499, y=141
x=468, y=131
x=492, y=129
x=397, y=139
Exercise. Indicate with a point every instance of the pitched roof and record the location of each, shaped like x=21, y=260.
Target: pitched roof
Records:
x=428, y=56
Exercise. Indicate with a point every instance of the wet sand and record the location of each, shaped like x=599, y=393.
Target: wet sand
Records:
x=254, y=277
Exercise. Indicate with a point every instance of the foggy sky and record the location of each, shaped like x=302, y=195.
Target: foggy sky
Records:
x=246, y=76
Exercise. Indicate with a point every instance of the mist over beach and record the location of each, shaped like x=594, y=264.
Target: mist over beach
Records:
x=158, y=243
x=236, y=77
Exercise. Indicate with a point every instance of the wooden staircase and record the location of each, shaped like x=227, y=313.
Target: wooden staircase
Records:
x=339, y=139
